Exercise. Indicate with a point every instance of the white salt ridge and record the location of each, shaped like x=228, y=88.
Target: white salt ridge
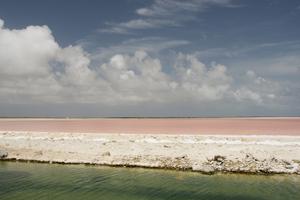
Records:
x=271, y=154
x=229, y=142
x=216, y=140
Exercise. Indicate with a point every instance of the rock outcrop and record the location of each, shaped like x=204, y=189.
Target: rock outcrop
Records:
x=205, y=154
x=249, y=164
x=3, y=154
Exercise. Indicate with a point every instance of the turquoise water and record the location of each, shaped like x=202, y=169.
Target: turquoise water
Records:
x=45, y=181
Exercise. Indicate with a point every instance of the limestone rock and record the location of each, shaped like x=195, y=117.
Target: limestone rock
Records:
x=107, y=153
x=3, y=154
x=219, y=158
x=204, y=168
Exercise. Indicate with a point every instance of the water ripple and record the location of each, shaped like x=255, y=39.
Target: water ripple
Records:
x=44, y=181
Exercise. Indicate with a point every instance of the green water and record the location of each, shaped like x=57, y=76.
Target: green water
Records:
x=45, y=181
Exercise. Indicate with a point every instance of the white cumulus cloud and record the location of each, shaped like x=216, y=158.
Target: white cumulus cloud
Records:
x=34, y=68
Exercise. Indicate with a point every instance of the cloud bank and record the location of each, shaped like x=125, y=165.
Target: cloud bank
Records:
x=34, y=68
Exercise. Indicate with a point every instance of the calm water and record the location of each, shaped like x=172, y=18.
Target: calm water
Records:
x=45, y=181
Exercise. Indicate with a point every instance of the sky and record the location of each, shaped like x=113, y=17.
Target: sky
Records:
x=149, y=58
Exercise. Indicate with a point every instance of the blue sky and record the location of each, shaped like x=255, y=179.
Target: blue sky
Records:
x=150, y=58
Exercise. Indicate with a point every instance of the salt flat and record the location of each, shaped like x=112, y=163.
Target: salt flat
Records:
x=248, y=145
x=201, y=126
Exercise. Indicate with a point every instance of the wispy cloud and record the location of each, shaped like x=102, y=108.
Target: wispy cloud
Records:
x=165, y=13
x=123, y=28
x=288, y=46
x=161, y=8
x=148, y=44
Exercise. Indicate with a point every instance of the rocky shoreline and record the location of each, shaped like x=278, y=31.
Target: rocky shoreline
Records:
x=206, y=154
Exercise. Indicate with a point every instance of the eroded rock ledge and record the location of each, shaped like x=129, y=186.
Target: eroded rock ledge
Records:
x=206, y=154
